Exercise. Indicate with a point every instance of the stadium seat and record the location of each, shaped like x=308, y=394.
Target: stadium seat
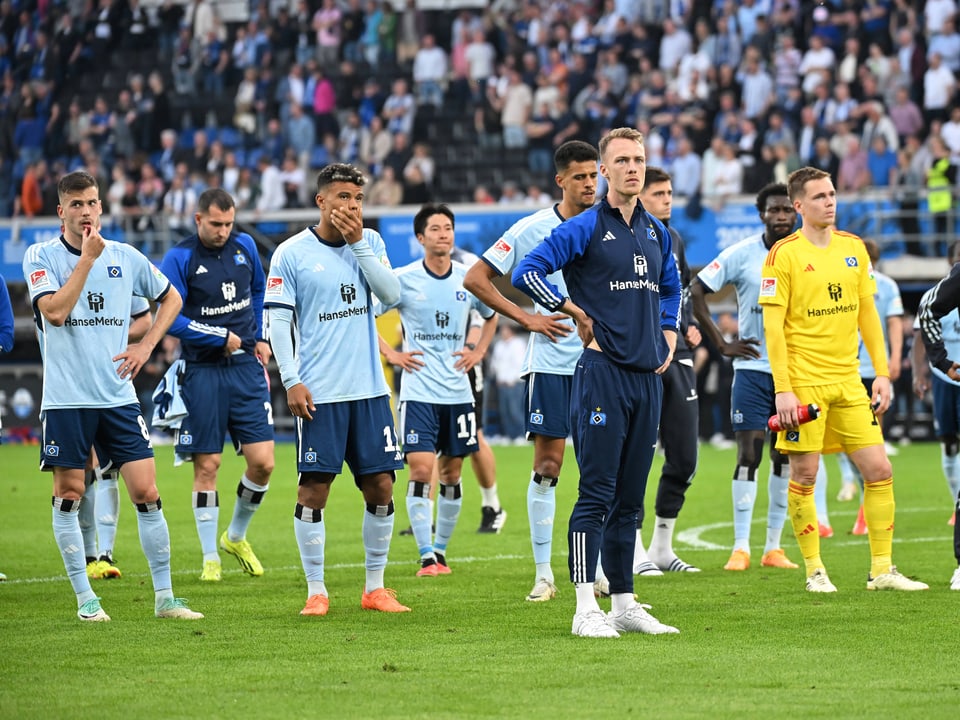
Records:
x=230, y=137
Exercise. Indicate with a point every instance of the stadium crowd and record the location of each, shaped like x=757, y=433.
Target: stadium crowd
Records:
x=729, y=95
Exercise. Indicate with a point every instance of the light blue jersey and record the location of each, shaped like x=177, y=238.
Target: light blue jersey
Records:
x=337, y=354
x=889, y=304
x=435, y=312
x=739, y=265
x=950, y=328
x=79, y=370
x=543, y=356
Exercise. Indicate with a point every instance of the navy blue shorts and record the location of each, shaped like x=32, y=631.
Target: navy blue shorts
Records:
x=946, y=407
x=752, y=400
x=548, y=404
x=230, y=396
x=446, y=429
x=360, y=432
x=117, y=433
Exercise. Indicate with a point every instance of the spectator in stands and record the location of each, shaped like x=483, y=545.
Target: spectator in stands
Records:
x=430, y=72
x=905, y=114
x=482, y=196
x=294, y=180
x=723, y=46
x=351, y=135
x=415, y=188
x=247, y=192
x=940, y=178
x=675, y=43
x=936, y=13
x=939, y=88
x=179, y=205
x=727, y=176
x=686, y=169
x=230, y=174
x=537, y=197
x=480, y=56
x=818, y=58
x=169, y=17
x=352, y=31
x=300, y=134
x=386, y=190
x=138, y=27
x=514, y=106
x=911, y=172
x=272, y=196
x=370, y=39
x=877, y=122
x=324, y=102
x=244, y=116
x=421, y=160
x=34, y=198
x=375, y=145
x=841, y=108
x=848, y=69
x=326, y=24
x=185, y=64
x=854, y=173
x=882, y=162
x=213, y=65
x=540, y=148
x=399, y=109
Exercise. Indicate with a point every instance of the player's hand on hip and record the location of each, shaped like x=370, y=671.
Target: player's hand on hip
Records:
x=663, y=368
x=787, y=406
x=132, y=360
x=953, y=373
x=263, y=351
x=92, y=243
x=553, y=327
x=745, y=348
x=585, y=329
x=349, y=224
x=881, y=395
x=233, y=343
x=300, y=401
x=409, y=361
x=467, y=359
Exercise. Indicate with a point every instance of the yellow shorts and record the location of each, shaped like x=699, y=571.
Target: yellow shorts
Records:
x=846, y=421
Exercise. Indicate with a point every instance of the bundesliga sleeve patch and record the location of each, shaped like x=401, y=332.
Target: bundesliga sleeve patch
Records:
x=768, y=287
x=156, y=271
x=711, y=270
x=274, y=287
x=39, y=280
x=501, y=248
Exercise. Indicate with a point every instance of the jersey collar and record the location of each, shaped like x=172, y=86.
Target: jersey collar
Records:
x=70, y=248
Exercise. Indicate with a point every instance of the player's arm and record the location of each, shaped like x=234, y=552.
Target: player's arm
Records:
x=201, y=334
x=774, y=317
x=139, y=325
x=564, y=244
x=479, y=281
x=6, y=320
x=871, y=330
x=895, y=337
x=478, y=341
x=935, y=304
x=258, y=285
x=918, y=363
x=409, y=360
x=744, y=348
x=299, y=398
x=671, y=295
x=138, y=354
x=57, y=306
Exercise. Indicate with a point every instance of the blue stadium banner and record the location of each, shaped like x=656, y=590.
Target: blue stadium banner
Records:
x=15, y=243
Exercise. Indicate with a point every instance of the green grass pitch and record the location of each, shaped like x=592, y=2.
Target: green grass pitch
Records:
x=752, y=645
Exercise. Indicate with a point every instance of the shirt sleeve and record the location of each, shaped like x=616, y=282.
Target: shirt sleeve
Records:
x=566, y=242
x=936, y=303
x=6, y=319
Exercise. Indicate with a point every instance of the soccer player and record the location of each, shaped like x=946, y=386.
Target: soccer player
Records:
x=321, y=283
x=816, y=291
x=624, y=295
x=938, y=322
x=224, y=385
x=81, y=287
x=890, y=309
x=552, y=350
x=752, y=396
x=436, y=407
x=6, y=340
x=679, y=414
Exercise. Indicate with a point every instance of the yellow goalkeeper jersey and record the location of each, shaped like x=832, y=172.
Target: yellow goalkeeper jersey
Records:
x=821, y=289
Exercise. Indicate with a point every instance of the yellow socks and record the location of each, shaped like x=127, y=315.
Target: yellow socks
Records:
x=878, y=511
x=803, y=514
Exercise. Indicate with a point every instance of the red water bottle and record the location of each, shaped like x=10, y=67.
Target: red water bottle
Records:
x=805, y=413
